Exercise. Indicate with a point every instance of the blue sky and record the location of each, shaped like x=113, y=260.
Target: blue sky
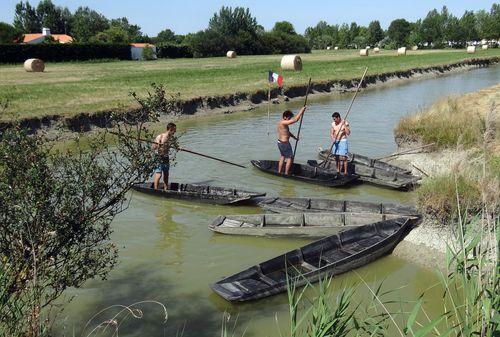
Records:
x=190, y=16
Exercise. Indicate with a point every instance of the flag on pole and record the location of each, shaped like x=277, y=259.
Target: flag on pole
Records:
x=273, y=77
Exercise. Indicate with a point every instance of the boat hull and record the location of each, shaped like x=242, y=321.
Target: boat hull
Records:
x=307, y=205
x=304, y=225
x=199, y=193
x=306, y=173
x=333, y=255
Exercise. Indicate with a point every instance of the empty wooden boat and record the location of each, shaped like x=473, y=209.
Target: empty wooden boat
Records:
x=332, y=255
x=372, y=175
x=367, y=161
x=304, y=205
x=200, y=193
x=306, y=173
x=309, y=225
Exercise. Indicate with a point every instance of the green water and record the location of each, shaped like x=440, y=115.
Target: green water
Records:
x=167, y=253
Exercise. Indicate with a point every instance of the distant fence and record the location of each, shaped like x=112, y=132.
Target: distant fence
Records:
x=15, y=53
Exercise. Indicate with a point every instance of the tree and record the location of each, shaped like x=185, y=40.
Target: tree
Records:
x=229, y=22
x=56, y=209
x=468, y=24
x=111, y=35
x=55, y=18
x=8, y=33
x=26, y=19
x=133, y=31
x=284, y=27
x=344, y=36
x=87, y=23
x=399, y=32
x=375, y=33
x=353, y=32
x=415, y=37
x=432, y=28
x=166, y=35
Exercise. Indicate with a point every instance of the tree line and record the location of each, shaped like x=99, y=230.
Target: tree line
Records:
x=236, y=29
x=436, y=30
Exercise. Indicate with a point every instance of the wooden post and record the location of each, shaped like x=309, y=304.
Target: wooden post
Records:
x=301, y=119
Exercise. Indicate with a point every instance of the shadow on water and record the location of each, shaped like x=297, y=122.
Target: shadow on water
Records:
x=139, y=284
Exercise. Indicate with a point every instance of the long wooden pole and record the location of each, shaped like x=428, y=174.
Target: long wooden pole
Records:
x=183, y=150
x=210, y=157
x=408, y=151
x=301, y=119
x=268, y=106
x=346, y=115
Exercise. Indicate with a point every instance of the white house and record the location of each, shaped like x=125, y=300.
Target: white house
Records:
x=136, y=50
x=39, y=38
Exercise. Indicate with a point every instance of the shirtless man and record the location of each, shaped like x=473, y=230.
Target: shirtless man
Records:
x=284, y=135
x=338, y=134
x=161, y=147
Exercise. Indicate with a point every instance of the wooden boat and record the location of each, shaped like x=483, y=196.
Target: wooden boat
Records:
x=200, y=193
x=309, y=225
x=306, y=173
x=332, y=255
x=367, y=161
x=305, y=205
x=372, y=175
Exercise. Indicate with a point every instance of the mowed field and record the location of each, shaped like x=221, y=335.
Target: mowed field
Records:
x=72, y=88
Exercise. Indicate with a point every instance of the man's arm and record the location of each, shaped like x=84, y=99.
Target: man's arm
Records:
x=296, y=118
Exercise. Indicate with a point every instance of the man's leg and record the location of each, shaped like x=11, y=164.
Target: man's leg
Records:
x=165, y=180
x=337, y=161
x=280, y=164
x=344, y=160
x=156, y=180
x=288, y=164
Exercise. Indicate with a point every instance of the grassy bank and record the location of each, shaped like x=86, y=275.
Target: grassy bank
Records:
x=466, y=164
x=71, y=88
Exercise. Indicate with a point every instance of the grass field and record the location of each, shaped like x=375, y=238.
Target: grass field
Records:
x=71, y=88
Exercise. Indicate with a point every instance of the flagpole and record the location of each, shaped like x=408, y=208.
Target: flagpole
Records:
x=268, y=106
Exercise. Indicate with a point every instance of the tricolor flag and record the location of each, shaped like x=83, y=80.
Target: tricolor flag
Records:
x=273, y=77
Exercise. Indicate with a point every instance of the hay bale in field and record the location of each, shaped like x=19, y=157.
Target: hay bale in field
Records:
x=336, y=48
x=402, y=51
x=414, y=48
x=231, y=54
x=291, y=62
x=368, y=47
x=363, y=52
x=484, y=46
x=471, y=49
x=34, y=65
x=328, y=48
x=376, y=50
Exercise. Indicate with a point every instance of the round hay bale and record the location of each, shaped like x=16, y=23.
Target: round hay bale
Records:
x=336, y=48
x=328, y=48
x=231, y=54
x=414, y=48
x=34, y=65
x=363, y=52
x=291, y=62
x=368, y=47
x=402, y=51
x=484, y=46
x=376, y=50
x=471, y=49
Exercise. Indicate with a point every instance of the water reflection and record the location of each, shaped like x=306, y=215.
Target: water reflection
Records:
x=168, y=254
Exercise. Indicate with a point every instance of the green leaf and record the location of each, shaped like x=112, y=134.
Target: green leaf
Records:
x=413, y=315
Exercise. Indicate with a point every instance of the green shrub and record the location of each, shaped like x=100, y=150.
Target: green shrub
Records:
x=172, y=51
x=15, y=53
x=148, y=54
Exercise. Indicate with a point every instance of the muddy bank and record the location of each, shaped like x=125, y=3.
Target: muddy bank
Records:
x=84, y=122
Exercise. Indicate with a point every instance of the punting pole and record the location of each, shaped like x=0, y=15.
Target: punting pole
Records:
x=301, y=119
x=184, y=150
x=345, y=117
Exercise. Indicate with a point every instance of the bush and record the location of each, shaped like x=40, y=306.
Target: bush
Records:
x=171, y=50
x=148, y=54
x=15, y=53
